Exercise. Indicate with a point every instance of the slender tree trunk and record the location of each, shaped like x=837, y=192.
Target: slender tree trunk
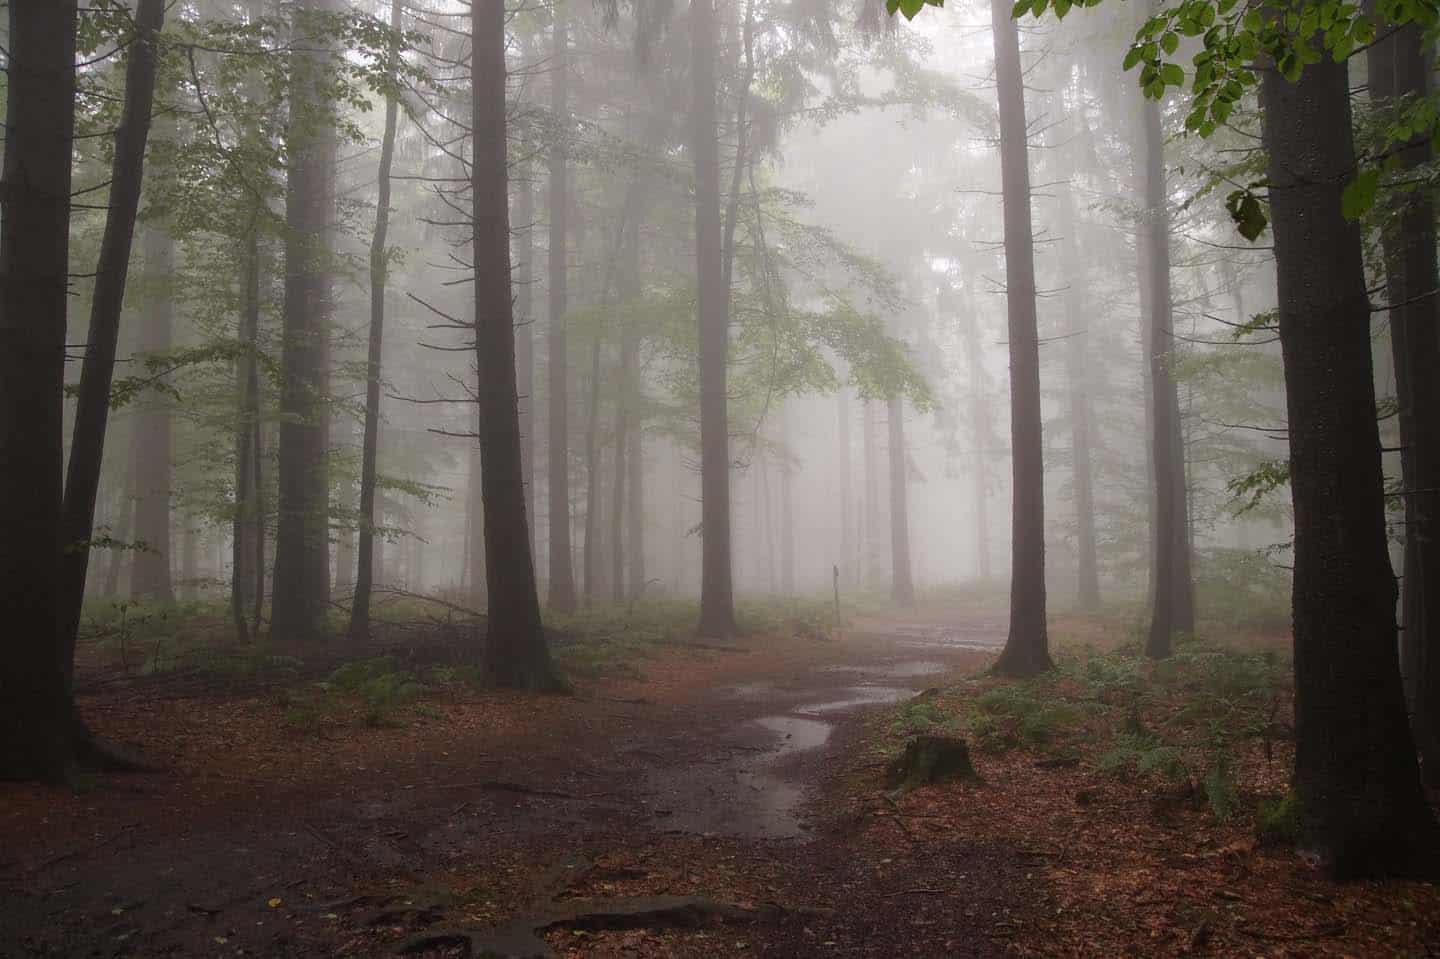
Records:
x=717, y=593
x=625, y=413
x=475, y=526
x=847, y=562
x=152, y=444
x=189, y=557
x=248, y=536
x=525, y=331
x=871, y=572
x=1076, y=371
x=1026, y=650
x=1399, y=66
x=635, y=543
x=370, y=451
x=35, y=701
x=562, y=572
x=92, y=406
x=980, y=414
x=302, y=564
x=515, y=654
x=591, y=555
x=787, y=511
x=902, y=585
x=1355, y=769
x=1173, y=609
x=123, y=521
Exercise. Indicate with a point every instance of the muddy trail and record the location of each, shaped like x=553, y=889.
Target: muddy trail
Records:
x=684, y=809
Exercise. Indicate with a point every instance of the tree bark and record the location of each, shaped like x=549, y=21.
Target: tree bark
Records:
x=379, y=269
x=1355, y=768
x=92, y=406
x=847, y=562
x=1399, y=66
x=1026, y=650
x=152, y=443
x=35, y=701
x=902, y=586
x=787, y=510
x=525, y=332
x=717, y=592
x=248, y=535
x=626, y=413
x=1172, y=610
x=871, y=572
x=515, y=655
x=635, y=521
x=302, y=549
x=562, y=571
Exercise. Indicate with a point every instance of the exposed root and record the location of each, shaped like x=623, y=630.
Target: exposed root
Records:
x=92, y=754
x=523, y=938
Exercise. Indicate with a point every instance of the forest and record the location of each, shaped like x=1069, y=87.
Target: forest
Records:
x=648, y=478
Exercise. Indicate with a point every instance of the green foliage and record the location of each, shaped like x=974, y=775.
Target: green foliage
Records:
x=1280, y=821
x=919, y=716
x=1143, y=753
x=378, y=684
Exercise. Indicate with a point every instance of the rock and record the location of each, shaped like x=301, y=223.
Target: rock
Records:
x=931, y=759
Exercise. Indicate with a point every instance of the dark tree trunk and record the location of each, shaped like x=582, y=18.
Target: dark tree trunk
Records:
x=902, y=586
x=1355, y=769
x=247, y=589
x=1399, y=66
x=1026, y=650
x=35, y=702
x=302, y=547
x=1077, y=361
x=562, y=571
x=475, y=531
x=717, y=593
x=92, y=406
x=515, y=655
x=525, y=332
x=152, y=443
x=370, y=450
x=1172, y=610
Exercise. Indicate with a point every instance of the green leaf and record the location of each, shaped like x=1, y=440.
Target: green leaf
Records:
x=1169, y=42
x=1172, y=75
x=1131, y=58
x=1359, y=194
x=911, y=7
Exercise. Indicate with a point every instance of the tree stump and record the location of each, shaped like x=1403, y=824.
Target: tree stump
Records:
x=931, y=759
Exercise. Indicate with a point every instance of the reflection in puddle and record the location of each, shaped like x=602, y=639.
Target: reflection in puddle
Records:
x=856, y=696
x=796, y=734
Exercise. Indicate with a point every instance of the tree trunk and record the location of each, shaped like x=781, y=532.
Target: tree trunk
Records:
x=379, y=269
x=847, y=562
x=980, y=414
x=635, y=540
x=515, y=655
x=525, y=332
x=717, y=593
x=121, y=533
x=1355, y=769
x=1399, y=66
x=152, y=443
x=902, y=586
x=302, y=555
x=1026, y=650
x=248, y=583
x=591, y=554
x=1172, y=611
x=625, y=407
x=871, y=572
x=189, y=557
x=35, y=701
x=92, y=406
x=562, y=571
x=787, y=510
x=1076, y=372
x=475, y=531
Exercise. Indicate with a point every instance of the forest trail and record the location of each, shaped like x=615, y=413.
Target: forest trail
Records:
x=708, y=776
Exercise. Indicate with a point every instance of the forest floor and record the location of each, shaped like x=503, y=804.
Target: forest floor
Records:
x=692, y=801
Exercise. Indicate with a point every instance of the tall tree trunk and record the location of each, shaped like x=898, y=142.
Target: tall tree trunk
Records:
x=525, y=331
x=717, y=593
x=1026, y=650
x=625, y=412
x=787, y=510
x=847, y=562
x=92, y=406
x=635, y=521
x=1399, y=66
x=248, y=536
x=475, y=531
x=152, y=444
x=1077, y=361
x=1355, y=769
x=562, y=571
x=370, y=450
x=515, y=655
x=902, y=585
x=591, y=555
x=189, y=557
x=871, y=571
x=1172, y=611
x=35, y=700
x=110, y=587
x=302, y=547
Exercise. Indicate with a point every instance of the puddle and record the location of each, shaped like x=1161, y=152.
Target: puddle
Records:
x=857, y=696
x=796, y=734
x=750, y=690
x=915, y=667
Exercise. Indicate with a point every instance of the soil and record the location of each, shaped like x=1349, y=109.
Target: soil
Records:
x=710, y=776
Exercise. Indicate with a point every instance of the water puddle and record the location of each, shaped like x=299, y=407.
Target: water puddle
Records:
x=795, y=734
x=855, y=697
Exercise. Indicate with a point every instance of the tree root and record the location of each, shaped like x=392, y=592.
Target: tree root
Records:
x=522, y=938
x=92, y=754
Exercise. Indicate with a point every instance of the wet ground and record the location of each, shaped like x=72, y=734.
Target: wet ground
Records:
x=730, y=756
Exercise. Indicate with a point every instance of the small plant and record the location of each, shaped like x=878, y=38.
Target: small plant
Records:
x=1219, y=786
x=1280, y=821
x=919, y=716
x=1144, y=754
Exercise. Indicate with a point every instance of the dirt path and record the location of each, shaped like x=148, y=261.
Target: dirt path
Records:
x=708, y=777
